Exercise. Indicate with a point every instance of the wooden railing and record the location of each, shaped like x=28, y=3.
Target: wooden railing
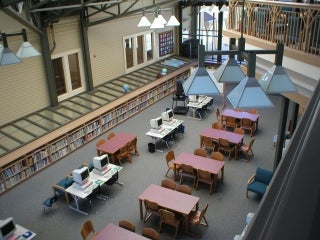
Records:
x=297, y=25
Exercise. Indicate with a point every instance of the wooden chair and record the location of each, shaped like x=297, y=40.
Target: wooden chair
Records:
x=184, y=189
x=197, y=218
x=88, y=229
x=168, y=183
x=218, y=156
x=218, y=115
x=123, y=154
x=133, y=147
x=217, y=125
x=127, y=225
x=169, y=159
x=225, y=146
x=247, y=124
x=246, y=149
x=170, y=218
x=110, y=135
x=252, y=110
x=100, y=142
x=200, y=152
x=205, y=177
x=208, y=144
x=150, y=233
x=239, y=131
x=231, y=122
x=187, y=171
x=151, y=208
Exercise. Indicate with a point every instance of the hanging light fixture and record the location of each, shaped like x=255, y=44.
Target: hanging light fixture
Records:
x=144, y=21
x=157, y=22
x=162, y=19
x=173, y=22
x=26, y=49
x=7, y=56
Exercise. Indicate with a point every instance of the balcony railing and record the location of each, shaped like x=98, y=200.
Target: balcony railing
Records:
x=297, y=25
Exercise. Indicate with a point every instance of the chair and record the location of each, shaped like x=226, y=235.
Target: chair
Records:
x=169, y=159
x=151, y=208
x=133, y=147
x=218, y=115
x=246, y=149
x=110, y=135
x=218, y=156
x=208, y=143
x=187, y=171
x=198, y=218
x=205, y=177
x=150, y=233
x=100, y=142
x=184, y=189
x=170, y=218
x=225, y=146
x=253, y=110
x=231, y=122
x=88, y=229
x=259, y=181
x=247, y=124
x=218, y=125
x=49, y=202
x=60, y=187
x=239, y=131
x=200, y=152
x=127, y=225
x=123, y=154
x=168, y=183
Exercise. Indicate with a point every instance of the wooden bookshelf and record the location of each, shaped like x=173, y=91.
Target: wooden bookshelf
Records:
x=31, y=158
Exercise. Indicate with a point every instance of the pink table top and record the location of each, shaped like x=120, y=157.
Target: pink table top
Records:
x=217, y=133
x=170, y=199
x=114, y=232
x=240, y=114
x=198, y=162
x=114, y=144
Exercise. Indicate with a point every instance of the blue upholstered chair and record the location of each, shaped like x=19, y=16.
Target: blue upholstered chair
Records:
x=60, y=187
x=49, y=202
x=259, y=182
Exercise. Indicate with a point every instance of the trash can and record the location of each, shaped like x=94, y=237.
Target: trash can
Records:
x=151, y=147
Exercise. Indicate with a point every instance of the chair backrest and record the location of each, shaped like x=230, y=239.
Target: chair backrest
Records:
x=123, y=150
x=111, y=135
x=251, y=142
x=202, y=174
x=132, y=144
x=150, y=233
x=224, y=142
x=150, y=205
x=170, y=156
x=100, y=142
x=239, y=131
x=187, y=169
x=203, y=212
x=200, y=152
x=217, y=125
x=184, y=189
x=127, y=225
x=231, y=120
x=168, y=183
x=86, y=229
x=218, y=114
x=252, y=110
x=217, y=156
x=247, y=123
x=263, y=175
x=207, y=141
x=168, y=217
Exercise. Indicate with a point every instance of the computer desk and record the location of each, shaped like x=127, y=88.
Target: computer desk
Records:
x=168, y=127
x=202, y=101
x=22, y=233
x=97, y=181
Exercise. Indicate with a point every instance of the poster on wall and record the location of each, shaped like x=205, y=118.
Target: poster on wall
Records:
x=165, y=43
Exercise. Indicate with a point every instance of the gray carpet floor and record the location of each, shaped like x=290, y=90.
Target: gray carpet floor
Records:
x=228, y=206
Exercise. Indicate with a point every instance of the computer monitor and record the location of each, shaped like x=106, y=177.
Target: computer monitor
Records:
x=100, y=162
x=7, y=228
x=193, y=98
x=167, y=115
x=80, y=175
x=156, y=123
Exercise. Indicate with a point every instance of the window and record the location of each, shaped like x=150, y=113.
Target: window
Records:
x=68, y=75
x=139, y=49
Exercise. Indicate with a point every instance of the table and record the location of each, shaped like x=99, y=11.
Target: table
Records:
x=241, y=114
x=22, y=233
x=215, y=134
x=114, y=232
x=167, y=128
x=97, y=180
x=113, y=145
x=170, y=199
x=194, y=105
x=203, y=163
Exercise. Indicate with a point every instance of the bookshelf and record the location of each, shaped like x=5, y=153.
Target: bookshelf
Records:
x=33, y=157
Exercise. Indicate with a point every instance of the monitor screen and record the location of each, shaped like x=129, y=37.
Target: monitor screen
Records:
x=80, y=175
x=156, y=123
x=167, y=115
x=7, y=228
x=170, y=113
x=100, y=162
